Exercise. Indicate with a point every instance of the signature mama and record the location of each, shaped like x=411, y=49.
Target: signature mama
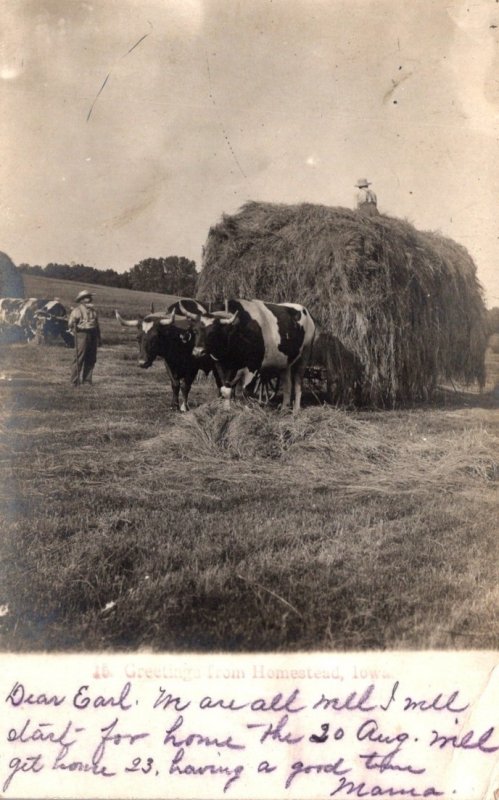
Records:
x=347, y=787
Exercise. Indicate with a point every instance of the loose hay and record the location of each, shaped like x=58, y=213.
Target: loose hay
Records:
x=397, y=309
x=321, y=448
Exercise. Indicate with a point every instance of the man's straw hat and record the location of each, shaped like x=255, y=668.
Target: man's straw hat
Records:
x=82, y=294
x=362, y=182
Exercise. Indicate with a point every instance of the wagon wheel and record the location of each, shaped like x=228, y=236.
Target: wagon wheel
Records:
x=264, y=388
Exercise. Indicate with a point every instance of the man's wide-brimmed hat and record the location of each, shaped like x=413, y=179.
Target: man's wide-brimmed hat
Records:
x=82, y=294
x=362, y=182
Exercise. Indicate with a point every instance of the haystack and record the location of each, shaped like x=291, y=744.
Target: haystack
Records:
x=397, y=309
x=11, y=280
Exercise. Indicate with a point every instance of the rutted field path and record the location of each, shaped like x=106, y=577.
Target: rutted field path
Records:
x=129, y=525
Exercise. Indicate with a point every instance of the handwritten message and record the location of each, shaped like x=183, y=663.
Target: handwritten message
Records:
x=292, y=726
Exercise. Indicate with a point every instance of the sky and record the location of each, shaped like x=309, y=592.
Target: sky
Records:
x=211, y=103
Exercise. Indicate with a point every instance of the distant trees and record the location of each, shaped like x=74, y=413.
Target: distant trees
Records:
x=32, y=270
x=493, y=319
x=79, y=272
x=170, y=275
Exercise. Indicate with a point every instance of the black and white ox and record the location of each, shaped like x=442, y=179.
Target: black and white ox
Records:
x=27, y=318
x=20, y=314
x=51, y=321
x=256, y=337
x=10, y=332
x=10, y=308
x=160, y=335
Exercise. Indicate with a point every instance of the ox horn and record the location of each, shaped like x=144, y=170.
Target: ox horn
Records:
x=186, y=313
x=168, y=320
x=127, y=323
x=162, y=317
x=230, y=319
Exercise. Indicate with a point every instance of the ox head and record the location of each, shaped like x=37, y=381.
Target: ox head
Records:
x=210, y=330
x=150, y=332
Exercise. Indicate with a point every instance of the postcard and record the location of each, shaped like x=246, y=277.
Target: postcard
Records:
x=249, y=389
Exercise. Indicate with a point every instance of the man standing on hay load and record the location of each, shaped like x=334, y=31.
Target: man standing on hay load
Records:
x=367, y=202
x=84, y=324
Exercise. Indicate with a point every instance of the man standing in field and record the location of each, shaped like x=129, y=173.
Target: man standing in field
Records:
x=84, y=324
x=367, y=202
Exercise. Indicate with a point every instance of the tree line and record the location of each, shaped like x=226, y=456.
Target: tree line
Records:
x=170, y=275
x=493, y=319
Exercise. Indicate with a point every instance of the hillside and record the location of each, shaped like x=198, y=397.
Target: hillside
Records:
x=107, y=298
x=129, y=303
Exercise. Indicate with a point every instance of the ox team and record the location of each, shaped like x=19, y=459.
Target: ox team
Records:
x=246, y=339
x=35, y=318
x=249, y=338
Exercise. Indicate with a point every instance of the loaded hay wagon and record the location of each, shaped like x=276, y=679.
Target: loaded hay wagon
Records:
x=397, y=309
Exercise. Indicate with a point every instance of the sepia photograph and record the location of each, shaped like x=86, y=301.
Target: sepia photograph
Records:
x=249, y=326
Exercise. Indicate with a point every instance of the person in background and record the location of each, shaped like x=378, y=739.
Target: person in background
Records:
x=367, y=202
x=84, y=324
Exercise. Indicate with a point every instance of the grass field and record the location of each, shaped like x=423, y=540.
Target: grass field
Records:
x=107, y=298
x=128, y=525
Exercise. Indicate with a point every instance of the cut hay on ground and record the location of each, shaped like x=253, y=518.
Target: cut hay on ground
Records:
x=323, y=448
x=398, y=309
